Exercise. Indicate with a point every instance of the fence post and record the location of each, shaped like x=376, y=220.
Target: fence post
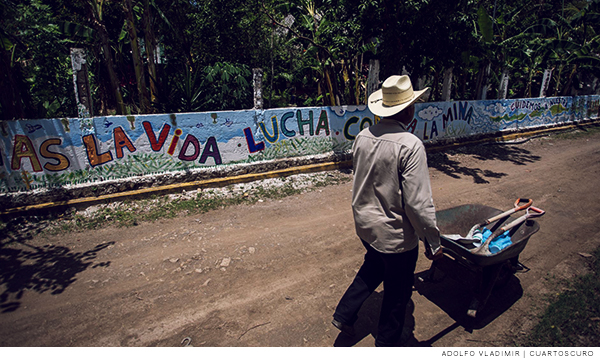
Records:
x=83, y=95
x=257, y=75
x=447, y=88
x=373, y=78
x=486, y=82
x=504, y=78
x=545, y=82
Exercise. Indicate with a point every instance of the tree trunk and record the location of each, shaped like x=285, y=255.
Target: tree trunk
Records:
x=272, y=91
x=486, y=84
x=329, y=84
x=481, y=86
x=110, y=68
x=107, y=55
x=567, y=89
x=421, y=84
x=434, y=87
x=447, y=88
x=137, y=59
x=463, y=85
x=348, y=82
x=529, y=83
x=373, y=78
x=104, y=93
x=150, y=41
x=11, y=99
x=357, y=84
x=503, y=90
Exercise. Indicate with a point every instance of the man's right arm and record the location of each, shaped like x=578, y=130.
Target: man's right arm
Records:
x=418, y=202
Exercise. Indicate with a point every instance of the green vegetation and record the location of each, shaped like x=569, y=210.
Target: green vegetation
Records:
x=169, y=56
x=581, y=132
x=573, y=316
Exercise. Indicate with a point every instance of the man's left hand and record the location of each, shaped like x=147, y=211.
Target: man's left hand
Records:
x=438, y=254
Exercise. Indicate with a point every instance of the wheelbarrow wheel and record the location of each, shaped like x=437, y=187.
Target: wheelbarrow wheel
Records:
x=492, y=279
x=504, y=275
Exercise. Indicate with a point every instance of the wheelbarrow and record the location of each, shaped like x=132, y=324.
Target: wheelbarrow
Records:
x=488, y=270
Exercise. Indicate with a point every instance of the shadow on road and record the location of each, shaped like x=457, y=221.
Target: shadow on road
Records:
x=450, y=295
x=444, y=161
x=48, y=268
x=366, y=325
x=454, y=297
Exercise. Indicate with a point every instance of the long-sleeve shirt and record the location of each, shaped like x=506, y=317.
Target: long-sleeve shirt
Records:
x=392, y=200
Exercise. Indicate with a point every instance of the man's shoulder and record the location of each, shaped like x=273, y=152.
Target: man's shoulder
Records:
x=387, y=132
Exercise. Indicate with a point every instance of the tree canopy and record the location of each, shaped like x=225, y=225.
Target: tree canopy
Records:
x=158, y=56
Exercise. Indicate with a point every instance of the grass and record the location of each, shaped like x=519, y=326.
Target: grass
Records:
x=572, y=317
x=581, y=131
x=134, y=212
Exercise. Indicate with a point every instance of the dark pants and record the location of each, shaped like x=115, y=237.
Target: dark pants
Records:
x=397, y=273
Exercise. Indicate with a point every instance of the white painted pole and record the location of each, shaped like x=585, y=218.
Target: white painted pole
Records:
x=83, y=97
x=373, y=78
x=545, y=82
x=447, y=88
x=257, y=75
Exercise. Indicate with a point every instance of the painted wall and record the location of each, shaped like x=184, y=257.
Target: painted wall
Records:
x=59, y=152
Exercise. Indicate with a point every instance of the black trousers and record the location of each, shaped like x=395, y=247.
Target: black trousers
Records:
x=396, y=271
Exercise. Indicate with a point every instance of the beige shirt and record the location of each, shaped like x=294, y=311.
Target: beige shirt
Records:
x=391, y=200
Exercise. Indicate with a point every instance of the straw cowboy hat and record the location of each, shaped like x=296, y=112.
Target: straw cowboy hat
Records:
x=395, y=95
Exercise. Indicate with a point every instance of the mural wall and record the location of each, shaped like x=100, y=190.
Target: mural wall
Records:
x=60, y=152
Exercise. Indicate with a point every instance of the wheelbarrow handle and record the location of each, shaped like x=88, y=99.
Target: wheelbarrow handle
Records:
x=531, y=212
x=538, y=212
x=516, y=208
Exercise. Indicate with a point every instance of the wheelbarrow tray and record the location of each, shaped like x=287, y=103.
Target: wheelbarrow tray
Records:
x=460, y=219
x=488, y=269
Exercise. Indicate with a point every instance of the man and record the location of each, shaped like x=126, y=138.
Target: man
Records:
x=393, y=207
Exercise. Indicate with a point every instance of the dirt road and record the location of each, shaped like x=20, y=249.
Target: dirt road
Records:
x=271, y=274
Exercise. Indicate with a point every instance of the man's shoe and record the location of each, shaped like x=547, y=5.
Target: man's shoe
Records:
x=347, y=330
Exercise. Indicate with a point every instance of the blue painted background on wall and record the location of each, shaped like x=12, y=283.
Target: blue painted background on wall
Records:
x=58, y=152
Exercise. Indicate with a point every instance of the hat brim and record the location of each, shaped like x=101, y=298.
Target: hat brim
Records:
x=375, y=103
